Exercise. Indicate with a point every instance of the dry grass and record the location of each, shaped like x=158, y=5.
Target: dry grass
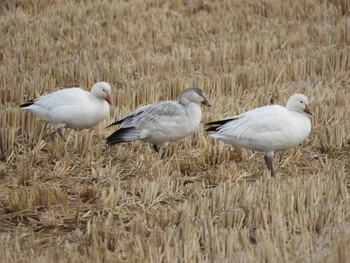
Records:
x=208, y=202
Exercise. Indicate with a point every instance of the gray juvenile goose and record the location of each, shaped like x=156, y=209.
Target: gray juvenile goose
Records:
x=162, y=122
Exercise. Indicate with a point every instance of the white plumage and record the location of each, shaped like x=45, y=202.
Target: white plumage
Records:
x=162, y=122
x=72, y=108
x=267, y=129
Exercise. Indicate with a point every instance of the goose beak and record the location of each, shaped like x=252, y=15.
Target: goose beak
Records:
x=109, y=98
x=206, y=102
x=308, y=109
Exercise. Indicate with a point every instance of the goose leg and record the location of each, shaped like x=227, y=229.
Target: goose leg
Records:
x=155, y=147
x=268, y=162
x=59, y=131
x=164, y=153
x=272, y=170
x=163, y=150
x=66, y=143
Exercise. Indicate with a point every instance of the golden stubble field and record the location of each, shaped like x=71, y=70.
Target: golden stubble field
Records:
x=208, y=202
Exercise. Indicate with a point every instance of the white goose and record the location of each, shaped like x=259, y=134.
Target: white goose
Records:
x=72, y=108
x=267, y=129
x=162, y=122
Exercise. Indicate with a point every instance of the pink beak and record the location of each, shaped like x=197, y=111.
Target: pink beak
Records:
x=308, y=109
x=109, y=99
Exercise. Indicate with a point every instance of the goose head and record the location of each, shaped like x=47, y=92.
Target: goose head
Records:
x=299, y=103
x=103, y=91
x=193, y=94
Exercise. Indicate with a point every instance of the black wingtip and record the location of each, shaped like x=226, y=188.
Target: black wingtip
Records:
x=110, y=143
x=117, y=137
x=217, y=124
x=220, y=122
x=110, y=125
x=28, y=103
x=120, y=121
x=213, y=128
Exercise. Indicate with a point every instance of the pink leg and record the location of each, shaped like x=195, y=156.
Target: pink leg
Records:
x=268, y=162
x=59, y=131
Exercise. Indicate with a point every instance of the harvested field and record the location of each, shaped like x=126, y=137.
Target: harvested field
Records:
x=207, y=202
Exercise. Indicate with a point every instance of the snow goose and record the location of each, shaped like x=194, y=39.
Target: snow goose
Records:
x=267, y=129
x=72, y=108
x=162, y=122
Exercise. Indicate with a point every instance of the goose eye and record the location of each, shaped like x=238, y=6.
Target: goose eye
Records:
x=301, y=101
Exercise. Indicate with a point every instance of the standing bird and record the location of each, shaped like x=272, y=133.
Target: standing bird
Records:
x=162, y=122
x=267, y=129
x=72, y=108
